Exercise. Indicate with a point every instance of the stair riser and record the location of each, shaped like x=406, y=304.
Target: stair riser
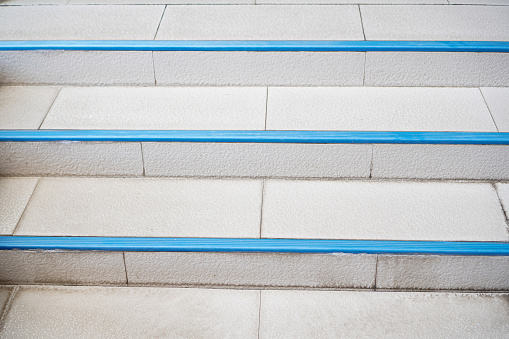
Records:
x=255, y=160
x=257, y=270
x=208, y=68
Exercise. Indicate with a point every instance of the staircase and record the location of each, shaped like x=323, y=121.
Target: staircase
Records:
x=268, y=169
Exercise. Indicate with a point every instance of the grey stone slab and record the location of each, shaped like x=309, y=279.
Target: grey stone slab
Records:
x=162, y=2
x=14, y=196
x=70, y=158
x=489, y=162
x=256, y=160
x=159, y=108
x=252, y=269
x=79, y=22
x=346, y=2
x=25, y=107
x=497, y=100
x=382, y=210
x=438, y=23
x=122, y=312
x=422, y=69
x=503, y=193
x=434, y=272
x=76, y=68
x=326, y=314
x=479, y=2
x=261, y=23
x=144, y=208
x=259, y=68
x=57, y=267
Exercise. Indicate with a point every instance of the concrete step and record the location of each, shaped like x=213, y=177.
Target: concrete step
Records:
x=436, y=215
x=133, y=150
x=238, y=67
x=71, y=311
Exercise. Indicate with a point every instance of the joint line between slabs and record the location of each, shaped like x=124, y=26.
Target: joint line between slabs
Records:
x=489, y=110
x=26, y=206
x=8, y=304
x=50, y=107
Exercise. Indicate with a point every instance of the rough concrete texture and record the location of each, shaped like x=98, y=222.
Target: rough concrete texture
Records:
x=324, y=314
x=256, y=160
x=25, y=107
x=79, y=22
x=159, y=108
x=423, y=69
x=259, y=68
x=76, y=68
x=252, y=269
x=14, y=196
x=265, y=23
x=107, y=312
x=434, y=272
x=378, y=108
x=438, y=23
x=35, y=267
x=382, y=210
x=70, y=158
x=144, y=208
x=494, y=69
x=497, y=100
x=441, y=161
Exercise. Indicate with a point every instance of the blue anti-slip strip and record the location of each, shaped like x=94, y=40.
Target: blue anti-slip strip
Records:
x=304, y=137
x=260, y=46
x=253, y=245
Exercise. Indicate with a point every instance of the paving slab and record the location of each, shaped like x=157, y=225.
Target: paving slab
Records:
x=346, y=2
x=497, y=100
x=107, y=312
x=284, y=270
x=144, y=208
x=79, y=22
x=324, y=314
x=479, y=2
x=159, y=108
x=441, y=23
x=59, y=267
x=25, y=107
x=261, y=23
x=435, y=272
x=382, y=210
x=378, y=109
x=162, y=2
x=14, y=195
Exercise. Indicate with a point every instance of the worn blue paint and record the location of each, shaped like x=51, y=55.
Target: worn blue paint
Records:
x=253, y=245
x=260, y=46
x=305, y=137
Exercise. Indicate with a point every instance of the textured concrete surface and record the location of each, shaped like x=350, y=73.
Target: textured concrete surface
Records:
x=378, y=108
x=14, y=195
x=252, y=269
x=382, y=210
x=257, y=160
x=76, y=68
x=31, y=267
x=503, y=193
x=442, y=23
x=416, y=272
x=494, y=69
x=25, y=107
x=70, y=158
x=106, y=312
x=441, y=161
x=313, y=314
x=154, y=108
x=423, y=69
x=144, y=207
x=497, y=100
x=259, y=68
x=79, y=22
x=261, y=23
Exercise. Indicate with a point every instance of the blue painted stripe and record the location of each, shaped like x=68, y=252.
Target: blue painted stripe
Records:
x=305, y=137
x=252, y=245
x=261, y=46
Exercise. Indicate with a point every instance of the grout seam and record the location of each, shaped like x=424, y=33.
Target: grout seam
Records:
x=50, y=107
x=142, y=159
x=371, y=164
x=362, y=24
x=125, y=269
x=266, y=106
x=364, y=72
x=261, y=207
x=376, y=270
x=8, y=304
x=489, y=110
x=161, y=20
x=504, y=212
x=259, y=313
x=154, y=69
x=26, y=207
